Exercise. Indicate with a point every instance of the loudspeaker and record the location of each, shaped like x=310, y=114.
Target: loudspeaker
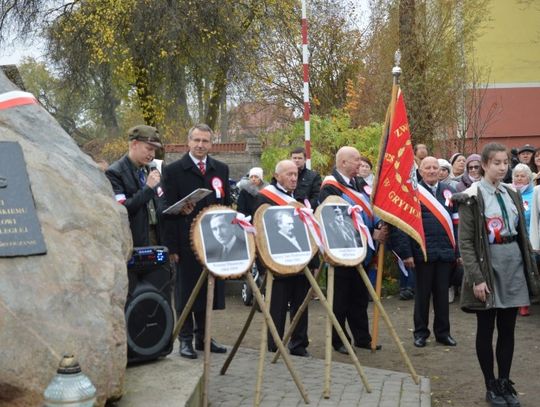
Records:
x=149, y=313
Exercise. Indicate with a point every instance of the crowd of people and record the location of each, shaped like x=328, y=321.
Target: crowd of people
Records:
x=480, y=214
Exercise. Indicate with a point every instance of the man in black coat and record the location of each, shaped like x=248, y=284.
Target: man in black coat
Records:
x=196, y=169
x=309, y=182
x=351, y=295
x=137, y=186
x=286, y=290
x=433, y=276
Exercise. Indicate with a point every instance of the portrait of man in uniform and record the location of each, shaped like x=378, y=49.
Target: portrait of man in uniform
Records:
x=339, y=229
x=223, y=240
x=286, y=232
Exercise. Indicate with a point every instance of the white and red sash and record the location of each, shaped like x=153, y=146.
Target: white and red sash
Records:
x=355, y=196
x=16, y=98
x=275, y=195
x=438, y=210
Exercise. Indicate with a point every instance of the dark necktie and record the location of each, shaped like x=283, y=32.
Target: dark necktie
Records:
x=202, y=167
x=503, y=209
x=142, y=177
x=353, y=184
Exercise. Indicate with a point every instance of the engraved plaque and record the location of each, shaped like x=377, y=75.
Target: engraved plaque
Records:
x=20, y=230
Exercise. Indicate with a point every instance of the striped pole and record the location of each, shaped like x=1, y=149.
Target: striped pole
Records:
x=305, y=63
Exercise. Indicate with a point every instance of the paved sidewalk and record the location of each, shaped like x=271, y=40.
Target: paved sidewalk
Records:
x=237, y=387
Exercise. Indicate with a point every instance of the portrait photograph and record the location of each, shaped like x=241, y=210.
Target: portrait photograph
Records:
x=342, y=238
x=287, y=237
x=339, y=228
x=224, y=242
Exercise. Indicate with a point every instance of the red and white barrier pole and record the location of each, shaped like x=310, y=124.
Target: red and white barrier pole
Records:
x=305, y=63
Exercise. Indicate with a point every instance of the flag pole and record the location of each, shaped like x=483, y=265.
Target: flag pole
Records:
x=396, y=72
x=305, y=65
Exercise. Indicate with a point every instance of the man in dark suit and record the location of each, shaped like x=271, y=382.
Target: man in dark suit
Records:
x=286, y=290
x=433, y=276
x=137, y=187
x=309, y=182
x=229, y=246
x=196, y=169
x=351, y=294
x=308, y=187
x=287, y=240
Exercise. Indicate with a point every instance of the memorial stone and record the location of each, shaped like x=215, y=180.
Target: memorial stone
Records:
x=70, y=299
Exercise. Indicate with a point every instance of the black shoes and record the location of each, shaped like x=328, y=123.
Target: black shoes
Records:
x=448, y=341
x=420, y=342
x=494, y=394
x=342, y=349
x=368, y=346
x=214, y=346
x=187, y=351
x=508, y=392
x=299, y=352
x=406, y=294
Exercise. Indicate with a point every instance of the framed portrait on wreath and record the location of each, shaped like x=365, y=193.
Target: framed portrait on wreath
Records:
x=283, y=240
x=220, y=242
x=345, y=245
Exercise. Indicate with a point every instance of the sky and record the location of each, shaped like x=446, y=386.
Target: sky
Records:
x=13, y=51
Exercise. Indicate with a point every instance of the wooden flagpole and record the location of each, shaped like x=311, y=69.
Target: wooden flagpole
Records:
x=396, y=72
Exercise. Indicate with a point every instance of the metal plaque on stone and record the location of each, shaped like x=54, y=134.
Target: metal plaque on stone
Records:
x=20, y=230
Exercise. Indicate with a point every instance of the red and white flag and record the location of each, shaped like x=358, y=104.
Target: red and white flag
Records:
x=395, y=193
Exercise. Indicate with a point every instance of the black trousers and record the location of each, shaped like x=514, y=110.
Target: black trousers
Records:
x=350, y=305
x=432, y=278
x=285, y=291
x=506, y=324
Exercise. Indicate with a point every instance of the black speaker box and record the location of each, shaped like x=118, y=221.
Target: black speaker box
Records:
x=149, y=313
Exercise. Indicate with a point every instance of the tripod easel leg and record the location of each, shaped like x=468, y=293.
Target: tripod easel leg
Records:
x=242, y=334
x=264, y=340
x=393, y=333
x=297, y=316
x=328, y=333
x=187, y=309
x=208, y=336
x=339, y=330
x=271, y=326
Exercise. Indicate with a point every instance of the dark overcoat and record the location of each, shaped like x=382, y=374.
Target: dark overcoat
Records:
x=308, y=187
x=180, y=178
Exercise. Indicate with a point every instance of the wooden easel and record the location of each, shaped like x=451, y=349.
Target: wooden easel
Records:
x=332, y=260
x=209, y=277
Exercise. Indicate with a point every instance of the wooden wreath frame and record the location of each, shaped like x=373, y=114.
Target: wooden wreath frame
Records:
x=263, y=244
x=332, y=256
x=199, y=245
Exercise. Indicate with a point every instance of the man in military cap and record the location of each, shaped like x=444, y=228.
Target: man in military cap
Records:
x=136, y=184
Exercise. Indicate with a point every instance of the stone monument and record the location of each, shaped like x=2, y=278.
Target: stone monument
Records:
x=70, y=297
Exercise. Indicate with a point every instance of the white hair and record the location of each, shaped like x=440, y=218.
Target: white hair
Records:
x=523, y=168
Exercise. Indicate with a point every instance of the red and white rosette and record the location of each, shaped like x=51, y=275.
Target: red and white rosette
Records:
x=447, y=198
x=494, y=226
x=307, y=218
x=217, y=185
x=244, y=222
x=355, y=212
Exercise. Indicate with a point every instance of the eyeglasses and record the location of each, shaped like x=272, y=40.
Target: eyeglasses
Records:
x=473, y=167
